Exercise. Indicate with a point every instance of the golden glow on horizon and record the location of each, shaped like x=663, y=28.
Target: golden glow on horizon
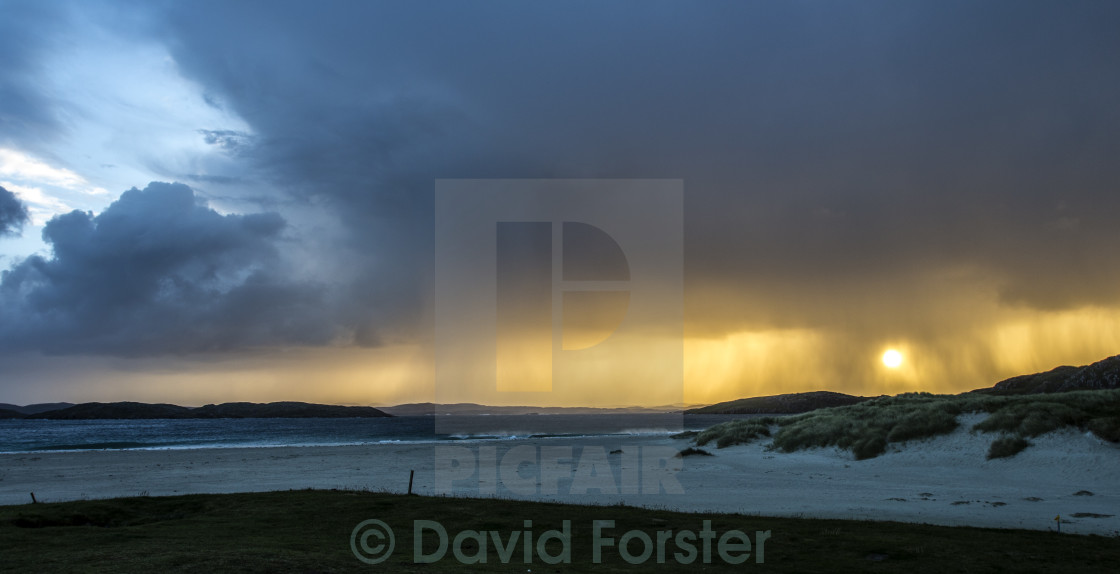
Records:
x=1009, y=343
x=892, y=359
x=736, y=365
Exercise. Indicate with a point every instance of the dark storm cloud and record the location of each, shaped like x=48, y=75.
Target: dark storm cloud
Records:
x=25, y=110
x=835, y=155
x=158, y=271
x=836, y=145
x=13, y=214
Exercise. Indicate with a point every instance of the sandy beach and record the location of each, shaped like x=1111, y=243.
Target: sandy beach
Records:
x=945, y=480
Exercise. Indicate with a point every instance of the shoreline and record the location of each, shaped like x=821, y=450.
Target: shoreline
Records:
x=431, y=442
x=203, y=434
x=944, y=480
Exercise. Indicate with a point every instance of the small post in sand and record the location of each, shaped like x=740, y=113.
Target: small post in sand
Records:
x=411, y=473
x=33, y=501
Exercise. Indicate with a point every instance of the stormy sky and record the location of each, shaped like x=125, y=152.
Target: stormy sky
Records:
x=208, y=201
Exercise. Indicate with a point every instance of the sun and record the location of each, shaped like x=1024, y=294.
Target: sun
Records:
x=892, y=359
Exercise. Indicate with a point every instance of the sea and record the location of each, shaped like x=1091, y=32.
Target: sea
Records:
x=38, y=435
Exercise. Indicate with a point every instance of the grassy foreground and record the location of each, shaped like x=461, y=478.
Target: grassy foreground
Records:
x=310, y=531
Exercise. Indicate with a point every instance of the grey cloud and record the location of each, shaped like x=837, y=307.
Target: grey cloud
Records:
x=215, y=179
x=156, y=272
x=828, y=151
x=228, y=140
x=943, y=132
x=26, y=113
x=13, y=214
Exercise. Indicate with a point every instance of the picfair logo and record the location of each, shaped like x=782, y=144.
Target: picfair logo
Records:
x=567, y=287
x=561, y=286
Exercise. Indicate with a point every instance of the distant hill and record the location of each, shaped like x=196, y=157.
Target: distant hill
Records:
x=10, y=414
x=124, y=410
x=131, y=410
x=780, y=404
x=36, y=408
x=1103, y=374
x=287, y=410
x=415, y=409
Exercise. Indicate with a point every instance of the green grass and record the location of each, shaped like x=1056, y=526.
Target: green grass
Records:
x=1007, y=446
x=1107, y=428
x=866, y=429
x=309, y=532
x=691, y=451
x=736, y=432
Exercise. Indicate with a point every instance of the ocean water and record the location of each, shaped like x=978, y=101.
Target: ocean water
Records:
x=21, y=435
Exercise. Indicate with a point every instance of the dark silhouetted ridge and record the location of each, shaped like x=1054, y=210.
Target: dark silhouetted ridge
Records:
x=413, y=409
x=130, y=410
x=1103, y=374
x=780, y=404
x=287, y=410
x=36, y=408
x=123, y=410
x=10, y=414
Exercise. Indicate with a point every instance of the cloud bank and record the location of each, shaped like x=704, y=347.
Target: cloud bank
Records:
x=13, y=214
x=929, y=173
x=159, y=272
